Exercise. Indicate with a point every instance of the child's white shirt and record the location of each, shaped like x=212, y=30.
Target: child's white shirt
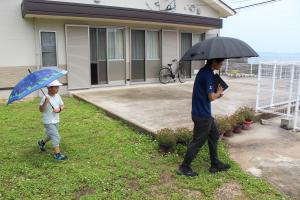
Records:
x=50, y=117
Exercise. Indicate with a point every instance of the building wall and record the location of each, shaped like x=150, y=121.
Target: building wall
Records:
x=16, y=36
x=17, y=43
x=195, y=7
x=191, y=7
x=20, y=37
x=212, y=33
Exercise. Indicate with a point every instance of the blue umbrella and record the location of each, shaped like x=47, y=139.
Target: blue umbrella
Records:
x=34, y=81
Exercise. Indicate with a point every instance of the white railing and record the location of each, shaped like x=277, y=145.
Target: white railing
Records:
x=240, y=69
x=278, y=90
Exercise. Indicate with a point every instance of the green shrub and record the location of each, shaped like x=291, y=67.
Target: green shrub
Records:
x=183, y=135
x=223, y=124
x=166, y=140
x=237, y=118
x=248, y=112
x=181, y=149
x=234, y=72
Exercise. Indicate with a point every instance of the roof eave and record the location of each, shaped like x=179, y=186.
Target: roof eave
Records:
x=221, y=7
x=58, y=8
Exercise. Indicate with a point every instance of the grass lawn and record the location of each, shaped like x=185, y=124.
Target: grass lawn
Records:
x=107, y=160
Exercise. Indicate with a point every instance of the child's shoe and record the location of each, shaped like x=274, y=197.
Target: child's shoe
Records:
x=41, y=145
x=59, y=156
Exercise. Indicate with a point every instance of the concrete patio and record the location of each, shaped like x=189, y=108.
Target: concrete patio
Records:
x=270, y=152
x=265, y=151
x=156, y=106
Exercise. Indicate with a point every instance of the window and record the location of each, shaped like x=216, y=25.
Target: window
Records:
x=152, y=40
x=93, y=45
x=115, y=44
x=48, y=48
x=138, y=44
x=97, y=44
x=202, y=36
x=198, y=37
x=186, y=42
x=101, y=43
x=98, y=56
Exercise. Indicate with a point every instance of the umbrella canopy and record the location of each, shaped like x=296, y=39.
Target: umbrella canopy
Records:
x=34, y=81
x=219, y=47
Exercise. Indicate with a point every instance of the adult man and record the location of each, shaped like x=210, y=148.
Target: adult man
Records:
x=204, y=126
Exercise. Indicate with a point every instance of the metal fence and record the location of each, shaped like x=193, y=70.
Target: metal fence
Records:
x=278, y=90
x=296, y=117
x=239, y=69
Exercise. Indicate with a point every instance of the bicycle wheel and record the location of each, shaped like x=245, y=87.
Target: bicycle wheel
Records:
x=181, y=75
x=165, y=75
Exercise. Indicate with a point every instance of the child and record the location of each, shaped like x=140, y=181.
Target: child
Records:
x=51, y=118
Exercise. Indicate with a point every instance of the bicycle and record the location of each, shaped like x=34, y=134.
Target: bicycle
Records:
x=166, y=74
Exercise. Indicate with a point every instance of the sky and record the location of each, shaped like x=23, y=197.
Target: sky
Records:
x=273, y=27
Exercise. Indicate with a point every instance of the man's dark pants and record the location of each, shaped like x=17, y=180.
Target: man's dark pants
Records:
x=204, y=129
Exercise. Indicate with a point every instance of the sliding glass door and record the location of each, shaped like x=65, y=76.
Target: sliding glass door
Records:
x=186, y=44
x=98, y=56
x=137, y=55
x=107, y=56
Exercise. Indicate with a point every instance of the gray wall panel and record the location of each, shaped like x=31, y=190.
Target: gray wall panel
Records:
x=170, y=47
x=116, y=70
x=152, y=68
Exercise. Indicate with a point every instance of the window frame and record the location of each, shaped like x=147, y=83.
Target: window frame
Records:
x=123, y=43
x=159, y=44
x=41, y=49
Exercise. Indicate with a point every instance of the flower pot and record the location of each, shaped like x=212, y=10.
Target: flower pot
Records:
x=165, y=149
x=247, y=124
x=237, y=129
x=228, y=133
x=221, y=135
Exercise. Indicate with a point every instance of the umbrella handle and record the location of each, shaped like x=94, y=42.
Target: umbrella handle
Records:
x=42, y=91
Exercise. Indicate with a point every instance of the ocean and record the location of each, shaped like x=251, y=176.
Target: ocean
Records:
x=276, y=57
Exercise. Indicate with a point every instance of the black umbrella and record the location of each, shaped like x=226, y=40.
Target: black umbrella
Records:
x=219, y=47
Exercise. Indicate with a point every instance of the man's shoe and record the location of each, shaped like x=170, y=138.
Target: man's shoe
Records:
x=41, y=145
x=187, y=171
x=59, y=156
x=219, y=167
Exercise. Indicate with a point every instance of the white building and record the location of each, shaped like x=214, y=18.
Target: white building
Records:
x=102, y=42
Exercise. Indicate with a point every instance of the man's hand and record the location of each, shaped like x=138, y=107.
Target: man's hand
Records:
x=220, y=91
x=218, y=94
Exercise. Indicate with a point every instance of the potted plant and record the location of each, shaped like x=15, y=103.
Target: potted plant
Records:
x=183, y=136
x=237, y=121
x=249, y=115
x=229, y=132
x=166, y=140
x=224, y=126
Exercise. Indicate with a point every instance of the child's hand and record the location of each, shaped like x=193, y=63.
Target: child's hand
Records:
x=47, y=99
x=44, y=105
x=56, y=110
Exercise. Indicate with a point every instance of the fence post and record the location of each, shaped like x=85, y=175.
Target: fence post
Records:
x=258, y=87
x=251, y=69
x=226, y=68
x=291, y=91
x=297, y=107
x=273, y=84
x=280, y=72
